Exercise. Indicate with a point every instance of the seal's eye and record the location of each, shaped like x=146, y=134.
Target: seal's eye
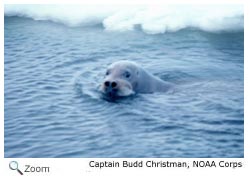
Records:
x=107, y=73
x=127, y=74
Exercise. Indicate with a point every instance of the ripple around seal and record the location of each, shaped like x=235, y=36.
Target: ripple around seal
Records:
x=53, y=107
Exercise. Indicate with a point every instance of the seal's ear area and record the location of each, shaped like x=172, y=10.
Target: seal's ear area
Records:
x=135, y=85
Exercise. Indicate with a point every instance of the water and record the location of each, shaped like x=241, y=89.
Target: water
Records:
x=53, y=107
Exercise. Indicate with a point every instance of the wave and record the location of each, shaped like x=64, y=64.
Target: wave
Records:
x=151, y=19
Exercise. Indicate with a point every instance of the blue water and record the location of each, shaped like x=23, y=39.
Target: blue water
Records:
x=53, y=107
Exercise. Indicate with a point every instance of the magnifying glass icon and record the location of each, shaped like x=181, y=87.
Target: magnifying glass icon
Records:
x=14, y=166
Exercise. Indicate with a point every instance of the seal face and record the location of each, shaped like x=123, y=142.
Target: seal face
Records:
x=121, y=78
x=124, y=78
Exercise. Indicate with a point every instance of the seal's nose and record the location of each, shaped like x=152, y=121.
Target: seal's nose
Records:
x=107, y=83
x=110, y=88
x=112, y=84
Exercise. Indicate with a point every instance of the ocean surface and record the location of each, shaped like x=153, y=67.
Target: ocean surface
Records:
x=53, y=107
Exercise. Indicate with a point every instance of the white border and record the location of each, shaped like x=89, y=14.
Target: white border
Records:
x=123, y=2
x=71, y=167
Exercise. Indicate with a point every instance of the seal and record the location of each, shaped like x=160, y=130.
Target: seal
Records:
x=124, y=78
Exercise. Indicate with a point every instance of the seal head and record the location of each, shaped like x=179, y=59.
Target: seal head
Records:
x=124, y=78
x=121, y=79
